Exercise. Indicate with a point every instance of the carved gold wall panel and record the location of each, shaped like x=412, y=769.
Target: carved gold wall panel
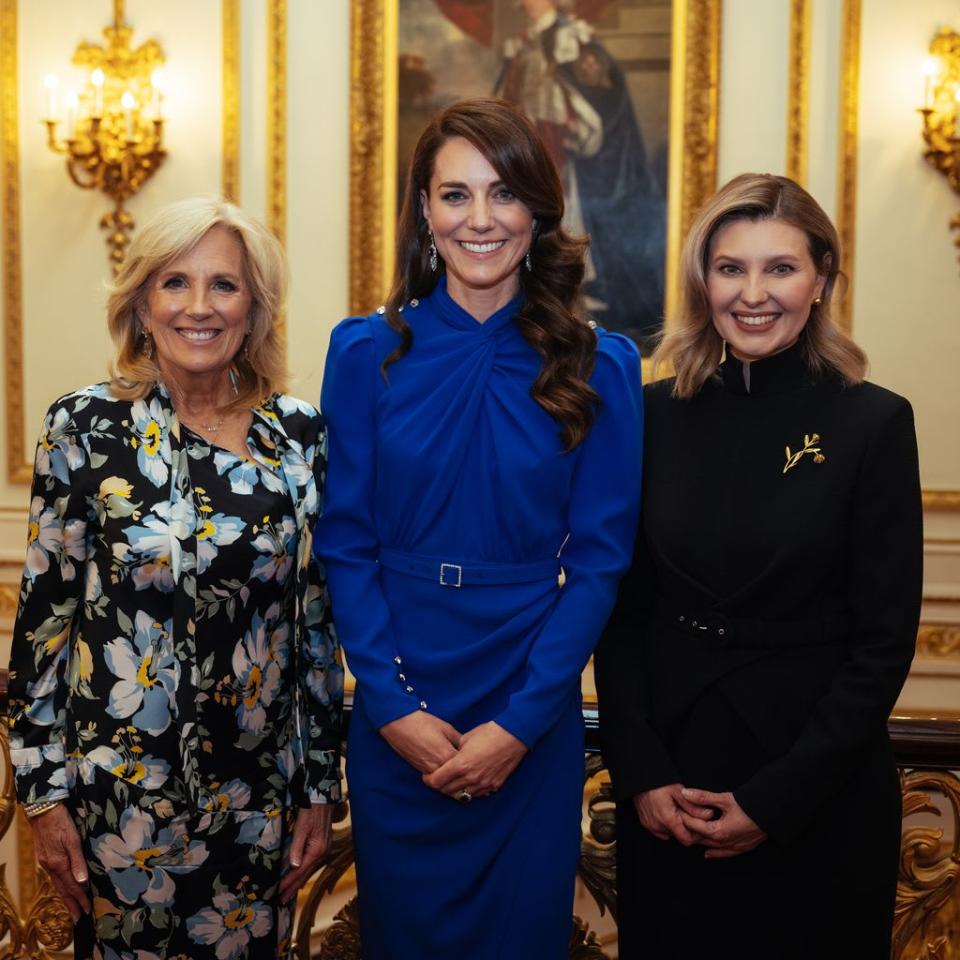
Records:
x=231, y=100
x=799, y=91
x=927, y=916
x=847, y=161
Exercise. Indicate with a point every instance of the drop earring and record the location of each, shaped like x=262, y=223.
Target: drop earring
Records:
x=817, y=301
x=147, y=343
x=527, y=262
x=434, y=260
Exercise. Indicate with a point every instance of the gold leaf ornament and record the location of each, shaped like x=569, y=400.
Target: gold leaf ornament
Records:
x=810, y=442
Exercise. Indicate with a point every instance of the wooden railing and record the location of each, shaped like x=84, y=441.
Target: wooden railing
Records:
x=927, y=919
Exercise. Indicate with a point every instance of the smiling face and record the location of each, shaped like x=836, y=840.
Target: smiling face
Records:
x=761, y=283
x=481, y=230
x=198, y=307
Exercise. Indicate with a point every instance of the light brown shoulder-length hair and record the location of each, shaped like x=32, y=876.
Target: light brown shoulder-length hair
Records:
x=551, y=318
x=693, y=347
x=260, y=367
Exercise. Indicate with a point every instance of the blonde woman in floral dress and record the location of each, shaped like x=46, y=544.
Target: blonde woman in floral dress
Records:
x=175, y=677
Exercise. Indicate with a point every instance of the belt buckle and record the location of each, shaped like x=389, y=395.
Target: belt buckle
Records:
x=444, y=568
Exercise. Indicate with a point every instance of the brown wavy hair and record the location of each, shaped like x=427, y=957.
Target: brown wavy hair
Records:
x=551, y=319
x=693, y=347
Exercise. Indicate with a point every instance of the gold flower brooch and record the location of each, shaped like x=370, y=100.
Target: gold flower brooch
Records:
x=809, y=446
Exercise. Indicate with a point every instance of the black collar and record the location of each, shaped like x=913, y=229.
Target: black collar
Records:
x=780, y=373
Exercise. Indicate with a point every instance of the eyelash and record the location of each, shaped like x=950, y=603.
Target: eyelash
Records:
x=731, y=270
x=453, y=196
x=223, y=286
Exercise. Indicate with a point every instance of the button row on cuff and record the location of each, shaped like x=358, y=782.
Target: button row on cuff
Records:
x=399, y=662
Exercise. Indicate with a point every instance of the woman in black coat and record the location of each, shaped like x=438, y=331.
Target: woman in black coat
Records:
x=767, y=625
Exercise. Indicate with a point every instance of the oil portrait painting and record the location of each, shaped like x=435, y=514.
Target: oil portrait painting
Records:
x=594, y=76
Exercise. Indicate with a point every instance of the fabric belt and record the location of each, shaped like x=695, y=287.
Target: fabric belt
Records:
x=728, y=631
x=449, y=574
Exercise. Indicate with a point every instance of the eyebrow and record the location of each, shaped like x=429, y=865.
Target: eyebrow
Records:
x=222, y=275
x=447, y=184
x=720, y=255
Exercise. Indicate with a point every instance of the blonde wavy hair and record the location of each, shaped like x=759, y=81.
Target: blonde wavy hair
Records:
x=693, y=348
x=260, y=369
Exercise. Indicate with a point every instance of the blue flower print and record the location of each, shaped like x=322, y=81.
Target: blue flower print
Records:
x=215, y=531
x=111, y=954
x=263, y=830
x=48, y=536
x=277, y=544
x=153, y=456
x=132, y=765
x=244, y=474
x=149, y=673
x=141, y=865
x=230, y=924
x=259, y=660
x=233, y=795
x=58, y=452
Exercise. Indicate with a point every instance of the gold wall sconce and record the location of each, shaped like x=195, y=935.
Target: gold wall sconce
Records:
x=113, y=128
x=941, y=111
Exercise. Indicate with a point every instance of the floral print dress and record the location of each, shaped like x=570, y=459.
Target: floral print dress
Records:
x=175, y=674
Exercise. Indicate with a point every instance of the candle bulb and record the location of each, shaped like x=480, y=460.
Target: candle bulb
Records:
x=73, y=102
x=128, y=103
x=96, y=78
x=50, y=82
x=930, y=70
x=156, y=82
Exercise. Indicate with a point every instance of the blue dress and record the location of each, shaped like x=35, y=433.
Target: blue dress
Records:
x=450, y=473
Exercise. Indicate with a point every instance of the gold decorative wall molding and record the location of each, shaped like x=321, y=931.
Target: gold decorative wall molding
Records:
x=847, y=161
x=231, y=100
x=277, y=118
x=372, y=100
x=694, y=101
x=941, y=500
x=9, y=598
x=939, y=641
x=19, y=454
x=798, y=98
x=19, y=469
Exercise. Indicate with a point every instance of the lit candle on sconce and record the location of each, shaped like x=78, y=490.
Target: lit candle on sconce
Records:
x=156, y=81
x=96, y=78
x=956, y=119
x=50, y=82
x=931, y=68
x=128, y=103
x=73, y=104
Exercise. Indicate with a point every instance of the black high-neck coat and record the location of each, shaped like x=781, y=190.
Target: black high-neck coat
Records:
x=758, y=645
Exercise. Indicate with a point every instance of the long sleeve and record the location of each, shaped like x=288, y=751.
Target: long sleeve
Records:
x=604, y=504
x=322, y=677
x=885, y=586
x=634, y=754
x=50, y=593
x=321, y=669
x=346, y=537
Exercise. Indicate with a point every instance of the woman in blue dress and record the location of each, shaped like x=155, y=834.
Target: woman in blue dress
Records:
x=483, y=434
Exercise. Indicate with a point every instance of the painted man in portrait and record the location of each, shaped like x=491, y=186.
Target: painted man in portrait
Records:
x=570, y=85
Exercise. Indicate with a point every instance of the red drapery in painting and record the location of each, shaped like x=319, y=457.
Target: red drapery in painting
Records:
x=475, y=17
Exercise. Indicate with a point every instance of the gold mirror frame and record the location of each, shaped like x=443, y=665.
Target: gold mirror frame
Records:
x=694, y=86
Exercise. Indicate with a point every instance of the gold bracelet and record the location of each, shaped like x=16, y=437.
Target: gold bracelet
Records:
x=41, y=806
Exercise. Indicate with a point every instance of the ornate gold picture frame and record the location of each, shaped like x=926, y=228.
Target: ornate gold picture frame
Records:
x=692, y=162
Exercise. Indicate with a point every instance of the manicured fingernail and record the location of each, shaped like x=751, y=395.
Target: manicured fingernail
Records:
x=294, y=863
x=81, y=878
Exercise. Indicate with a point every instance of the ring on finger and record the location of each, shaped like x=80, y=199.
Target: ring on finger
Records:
x=464, y=796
